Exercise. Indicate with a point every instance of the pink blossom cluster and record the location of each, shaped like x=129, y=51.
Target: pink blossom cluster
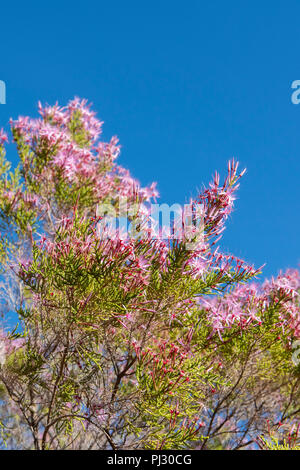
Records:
x=3, y=137
x=90, y=161
x=165, y=365
x=247, y=304
x=285, y=288
x=62, y=116
x=217, y=201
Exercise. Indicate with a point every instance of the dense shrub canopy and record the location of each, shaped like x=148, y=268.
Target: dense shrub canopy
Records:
x=132, y=339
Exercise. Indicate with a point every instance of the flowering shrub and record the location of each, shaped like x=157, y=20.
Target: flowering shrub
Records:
x=132, y=341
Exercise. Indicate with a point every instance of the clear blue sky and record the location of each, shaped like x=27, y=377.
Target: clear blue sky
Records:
x=185, y=86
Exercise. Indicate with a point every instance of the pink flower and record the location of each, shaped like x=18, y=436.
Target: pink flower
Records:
x=3, y=137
